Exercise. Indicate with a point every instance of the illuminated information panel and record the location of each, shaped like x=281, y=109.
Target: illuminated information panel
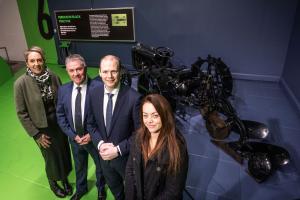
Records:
x=108, y=24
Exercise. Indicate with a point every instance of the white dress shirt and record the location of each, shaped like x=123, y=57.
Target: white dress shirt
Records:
x=83, y=97
x=105, y=100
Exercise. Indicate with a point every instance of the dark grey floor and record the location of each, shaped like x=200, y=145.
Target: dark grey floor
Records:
x=213, y=174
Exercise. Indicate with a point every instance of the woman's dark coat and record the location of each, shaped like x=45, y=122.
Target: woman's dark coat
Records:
x=160, y=184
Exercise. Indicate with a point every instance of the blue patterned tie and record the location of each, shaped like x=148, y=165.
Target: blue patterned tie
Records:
x=109, y=112
x=78, y=115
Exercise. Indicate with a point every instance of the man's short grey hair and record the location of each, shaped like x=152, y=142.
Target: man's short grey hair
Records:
x=74, y=57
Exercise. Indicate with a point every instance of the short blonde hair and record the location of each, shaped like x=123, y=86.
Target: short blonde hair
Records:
x=34, y=49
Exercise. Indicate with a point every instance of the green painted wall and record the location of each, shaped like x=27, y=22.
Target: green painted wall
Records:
x=5, y=71
x=28, y=10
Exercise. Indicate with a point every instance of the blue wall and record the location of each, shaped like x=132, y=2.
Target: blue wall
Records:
x=251, y=36
x=258, y=39
x=291, y=71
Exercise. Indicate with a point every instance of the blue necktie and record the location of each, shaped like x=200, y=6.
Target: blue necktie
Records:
x=78, y=115
x=109, y=109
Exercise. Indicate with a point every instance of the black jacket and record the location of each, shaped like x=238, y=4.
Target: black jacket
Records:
x=159, y=184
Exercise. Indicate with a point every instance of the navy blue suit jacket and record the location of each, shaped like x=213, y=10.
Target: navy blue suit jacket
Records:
x=64, y=108
x=125, y=119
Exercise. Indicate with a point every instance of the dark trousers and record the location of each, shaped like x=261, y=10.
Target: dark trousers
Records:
x=80, y=156
x=57, y=157
x=114, y=173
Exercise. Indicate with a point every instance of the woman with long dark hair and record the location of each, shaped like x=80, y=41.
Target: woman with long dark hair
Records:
x=158, y=161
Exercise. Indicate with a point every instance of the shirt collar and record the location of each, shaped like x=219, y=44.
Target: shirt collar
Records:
x=114, y=91
x=82, y=84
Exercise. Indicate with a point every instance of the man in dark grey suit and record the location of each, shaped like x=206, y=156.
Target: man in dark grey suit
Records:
x=72, y=108
x=114, y=117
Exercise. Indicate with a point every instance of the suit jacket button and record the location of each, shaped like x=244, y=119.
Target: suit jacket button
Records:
x=158, y=169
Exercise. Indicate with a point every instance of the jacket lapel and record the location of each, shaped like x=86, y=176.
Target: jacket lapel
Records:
x=69, y=103
x=118, y=106
x=99, y=104
x=139, y=168
x=86, y=107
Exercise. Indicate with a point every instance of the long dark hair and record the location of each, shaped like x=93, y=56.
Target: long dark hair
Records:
x=167, y=139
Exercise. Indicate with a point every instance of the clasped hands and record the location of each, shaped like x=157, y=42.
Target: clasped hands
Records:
x=83, y=140
x=108, y=151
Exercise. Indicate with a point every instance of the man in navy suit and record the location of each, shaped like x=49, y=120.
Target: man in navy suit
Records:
x=72, y=108
x=114, y=116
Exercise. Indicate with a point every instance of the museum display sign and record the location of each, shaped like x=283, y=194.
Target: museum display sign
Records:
x=106, y=24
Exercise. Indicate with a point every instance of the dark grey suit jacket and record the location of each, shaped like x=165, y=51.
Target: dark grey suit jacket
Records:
x=29, y=104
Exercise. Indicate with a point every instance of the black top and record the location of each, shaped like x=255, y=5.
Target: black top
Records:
x=152, y=181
